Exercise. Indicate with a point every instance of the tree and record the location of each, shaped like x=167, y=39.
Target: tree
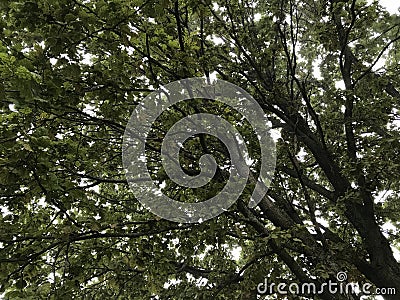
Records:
x=325, y=72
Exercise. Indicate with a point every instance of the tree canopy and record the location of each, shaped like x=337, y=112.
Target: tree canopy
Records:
x=325, y=73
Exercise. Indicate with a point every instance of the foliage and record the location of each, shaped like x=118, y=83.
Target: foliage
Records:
x=325, y=72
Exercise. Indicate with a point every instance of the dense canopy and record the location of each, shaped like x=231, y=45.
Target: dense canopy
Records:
x=325, y=73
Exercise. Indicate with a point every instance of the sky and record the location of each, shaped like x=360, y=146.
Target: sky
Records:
x=391, y=5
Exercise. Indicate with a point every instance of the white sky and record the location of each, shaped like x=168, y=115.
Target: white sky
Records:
x=392, y=6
